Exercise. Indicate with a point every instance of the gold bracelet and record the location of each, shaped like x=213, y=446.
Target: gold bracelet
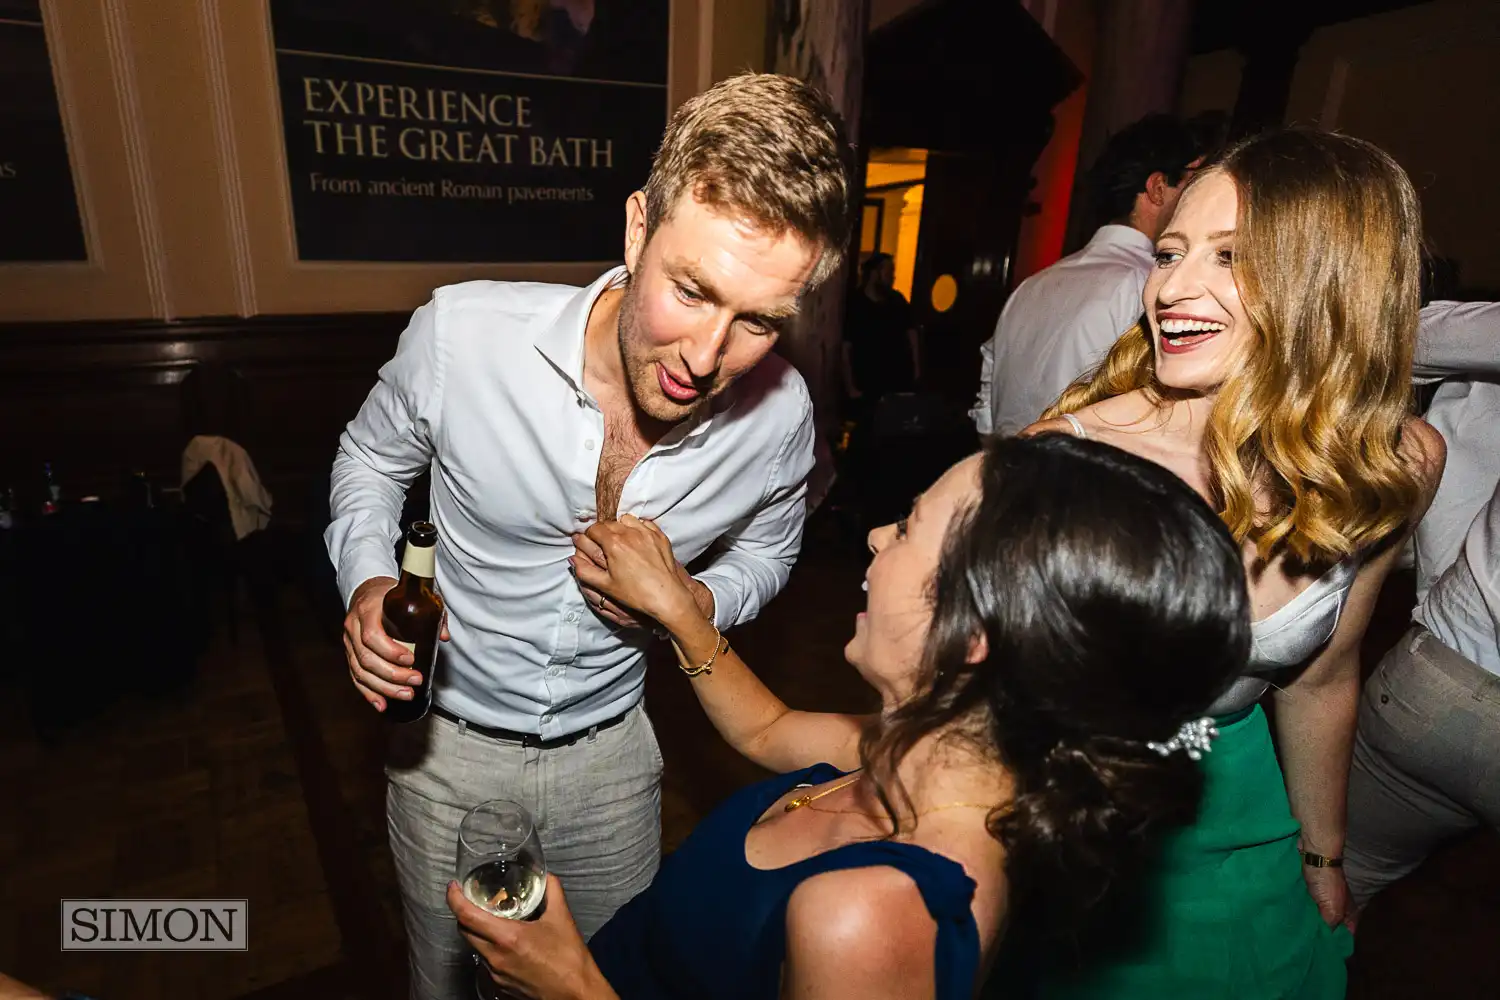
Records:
x=707, y=666
x=1312, y=860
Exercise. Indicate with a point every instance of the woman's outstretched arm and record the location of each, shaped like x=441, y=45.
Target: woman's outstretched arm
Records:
x=632, y=561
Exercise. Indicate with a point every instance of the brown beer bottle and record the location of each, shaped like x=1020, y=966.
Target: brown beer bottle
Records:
x=413, y=616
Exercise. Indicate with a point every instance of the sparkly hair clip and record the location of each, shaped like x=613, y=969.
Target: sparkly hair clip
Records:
x=1194, y=737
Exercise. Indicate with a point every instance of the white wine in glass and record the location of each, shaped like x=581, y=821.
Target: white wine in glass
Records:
x=500, y=864
x=507, y=888
x=500, y=867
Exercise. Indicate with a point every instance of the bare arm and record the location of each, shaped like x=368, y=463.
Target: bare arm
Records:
x=1315, y=718
x=10, y=989
x=640, y=571
x=749, y=715
x=859, y=934
x=1315, y=715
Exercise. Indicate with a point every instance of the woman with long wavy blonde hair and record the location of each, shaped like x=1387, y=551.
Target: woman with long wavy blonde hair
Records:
x=1271, y=371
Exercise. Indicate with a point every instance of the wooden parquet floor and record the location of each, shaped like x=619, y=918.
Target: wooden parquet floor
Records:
x=194, y=797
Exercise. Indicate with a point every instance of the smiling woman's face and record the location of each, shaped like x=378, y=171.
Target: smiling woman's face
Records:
x=1198, y=323
x=889, y=635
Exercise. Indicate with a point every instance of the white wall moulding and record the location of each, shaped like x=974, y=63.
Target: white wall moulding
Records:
x=227, y=150
x=94, y=102
x=136, y=159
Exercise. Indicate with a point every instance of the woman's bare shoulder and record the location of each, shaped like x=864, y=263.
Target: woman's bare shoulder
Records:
x=871, y=923
x=1057, y=425
x=1113, y=413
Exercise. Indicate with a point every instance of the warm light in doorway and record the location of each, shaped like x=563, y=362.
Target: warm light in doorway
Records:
x=944, y=293
x=893, y=209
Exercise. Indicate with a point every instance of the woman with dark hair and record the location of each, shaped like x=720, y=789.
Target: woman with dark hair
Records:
x=1272, y=372
x=1044, y=631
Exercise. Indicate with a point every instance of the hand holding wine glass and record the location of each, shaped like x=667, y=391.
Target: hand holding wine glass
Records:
x=544, y=958
x=500, y=864
x=500, y=867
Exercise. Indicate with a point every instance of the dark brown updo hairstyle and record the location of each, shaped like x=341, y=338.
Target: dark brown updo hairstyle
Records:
x=1115, y=608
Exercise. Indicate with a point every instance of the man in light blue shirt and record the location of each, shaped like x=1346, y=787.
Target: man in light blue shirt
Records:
x=542, y=408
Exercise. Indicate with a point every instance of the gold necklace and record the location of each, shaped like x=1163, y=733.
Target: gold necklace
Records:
x=917, y=815
x=956, y=805
x=803, y=800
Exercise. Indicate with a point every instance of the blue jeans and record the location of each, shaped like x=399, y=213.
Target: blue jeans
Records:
x=597, y=807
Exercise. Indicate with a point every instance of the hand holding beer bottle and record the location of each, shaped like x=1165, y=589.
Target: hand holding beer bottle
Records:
x=392, y=630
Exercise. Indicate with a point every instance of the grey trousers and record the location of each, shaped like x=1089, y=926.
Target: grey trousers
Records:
x=1426, y=760
x=596, y=803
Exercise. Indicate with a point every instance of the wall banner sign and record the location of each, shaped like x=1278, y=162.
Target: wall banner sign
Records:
x=39, y=217
x=468, y=130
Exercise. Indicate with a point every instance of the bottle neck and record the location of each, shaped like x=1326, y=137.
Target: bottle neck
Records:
x=420, y=561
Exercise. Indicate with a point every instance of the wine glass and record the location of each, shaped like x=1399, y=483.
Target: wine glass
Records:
x=500, y=868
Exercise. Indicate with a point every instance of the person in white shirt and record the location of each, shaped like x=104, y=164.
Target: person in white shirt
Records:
x=1427, y=753
x=1062, y=320
x=541, y=409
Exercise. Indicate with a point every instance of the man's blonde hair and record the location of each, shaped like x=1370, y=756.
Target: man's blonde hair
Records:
x=764, y=147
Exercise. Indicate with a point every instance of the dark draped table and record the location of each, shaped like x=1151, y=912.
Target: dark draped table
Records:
x=100, y=601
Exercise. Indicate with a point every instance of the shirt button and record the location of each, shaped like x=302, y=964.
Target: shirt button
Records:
x=588, y=445
x=572, y=616
x=547, y=720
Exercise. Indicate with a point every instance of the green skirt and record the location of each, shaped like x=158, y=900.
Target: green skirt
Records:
x=1223, y=912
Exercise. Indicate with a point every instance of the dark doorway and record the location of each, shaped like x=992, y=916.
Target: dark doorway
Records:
x=983, y=121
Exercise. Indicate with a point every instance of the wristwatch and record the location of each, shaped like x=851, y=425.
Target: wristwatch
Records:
x=1312, y=860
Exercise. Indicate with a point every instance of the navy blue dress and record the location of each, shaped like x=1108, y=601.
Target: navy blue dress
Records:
x=713, y=925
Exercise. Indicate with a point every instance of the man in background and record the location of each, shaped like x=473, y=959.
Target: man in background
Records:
x=1062, y=320
x=880, y=339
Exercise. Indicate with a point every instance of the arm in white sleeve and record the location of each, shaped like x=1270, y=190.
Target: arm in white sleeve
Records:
x=983, y=419
x=761, y=550
x=1458, y=338
x=385, y=448
x=1483, y=550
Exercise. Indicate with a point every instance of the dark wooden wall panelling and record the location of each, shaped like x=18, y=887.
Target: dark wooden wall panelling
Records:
x=99, y=400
